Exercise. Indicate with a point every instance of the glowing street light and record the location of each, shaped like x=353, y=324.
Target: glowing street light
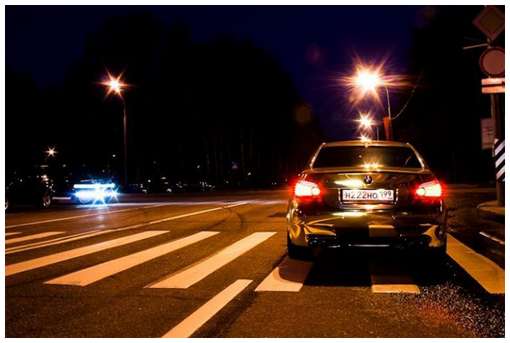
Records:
x=367, y=80
x=115, y=85
x=366, y=122
x=51, y=152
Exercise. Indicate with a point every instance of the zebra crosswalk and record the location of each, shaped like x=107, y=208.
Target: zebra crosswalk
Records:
x=78, y=252
x=288, y=275
x=33, y=237
x=197, y=272
x=98, y=272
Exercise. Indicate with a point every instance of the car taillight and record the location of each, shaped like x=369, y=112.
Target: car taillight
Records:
x=429, y=190
x=306, y=189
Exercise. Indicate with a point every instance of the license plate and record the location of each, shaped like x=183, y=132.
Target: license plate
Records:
x=371, y=195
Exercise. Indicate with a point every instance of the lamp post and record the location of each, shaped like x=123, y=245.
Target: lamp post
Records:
x=367, y=81
x=116, y=86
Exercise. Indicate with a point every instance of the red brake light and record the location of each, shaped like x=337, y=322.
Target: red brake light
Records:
x=306, y=189
x=431, y=190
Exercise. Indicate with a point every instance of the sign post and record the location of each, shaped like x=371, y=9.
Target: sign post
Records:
x=491, y=22
x=487, y=131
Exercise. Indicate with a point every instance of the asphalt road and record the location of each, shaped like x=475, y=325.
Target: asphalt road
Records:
x=215, y=265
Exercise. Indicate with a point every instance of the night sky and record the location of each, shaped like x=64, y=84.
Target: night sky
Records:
x=313, y=43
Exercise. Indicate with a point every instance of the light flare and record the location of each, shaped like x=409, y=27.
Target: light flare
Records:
x=51, y=151
x=95, y=193
x=367, y=80
x=365, y=121
x=365, y=138
x=114, y=84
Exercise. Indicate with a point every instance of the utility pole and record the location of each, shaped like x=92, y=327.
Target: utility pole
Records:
x=388, y=127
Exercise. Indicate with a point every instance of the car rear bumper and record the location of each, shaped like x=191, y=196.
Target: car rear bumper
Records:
x=342, y=229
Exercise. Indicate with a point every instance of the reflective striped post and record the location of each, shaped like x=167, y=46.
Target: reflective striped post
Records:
x=499, y=149
x=499, y=163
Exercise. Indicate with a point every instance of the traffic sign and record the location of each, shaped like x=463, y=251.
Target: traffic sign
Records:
x=487, y=129
x=492, y=62
x=491, y=21
x=493, y=85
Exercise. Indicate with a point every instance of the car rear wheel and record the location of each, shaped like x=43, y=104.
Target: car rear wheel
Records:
x=45, y=200
x=296, y=252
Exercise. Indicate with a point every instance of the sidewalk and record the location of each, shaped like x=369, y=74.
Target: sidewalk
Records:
x=490, y=210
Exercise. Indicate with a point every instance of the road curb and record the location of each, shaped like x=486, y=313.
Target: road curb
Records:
x=490, y=211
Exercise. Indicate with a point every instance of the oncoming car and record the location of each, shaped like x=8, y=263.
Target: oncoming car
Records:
x=375, y=194
x=94, y=192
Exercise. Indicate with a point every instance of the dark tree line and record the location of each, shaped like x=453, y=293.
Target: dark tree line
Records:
x=219, y=111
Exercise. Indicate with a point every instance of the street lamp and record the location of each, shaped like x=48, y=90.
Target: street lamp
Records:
x=366, y=122
x=367, y=80
x=116, y=86
x=51, y=152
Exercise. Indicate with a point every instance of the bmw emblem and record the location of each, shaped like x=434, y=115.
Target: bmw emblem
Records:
x=367, y=179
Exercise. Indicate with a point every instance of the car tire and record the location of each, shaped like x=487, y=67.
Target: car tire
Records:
x=45, y=200
x=296, y=252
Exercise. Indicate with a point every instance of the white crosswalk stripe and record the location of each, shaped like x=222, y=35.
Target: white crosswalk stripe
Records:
x=33, y=237
x=98, y=272
x=198, y=318
x=101, y=232
x=55, y=241
x=487, y=273
x=391, y=276
x=200, y=270
x=11, y=233
x=289, y=276
x=78, y=252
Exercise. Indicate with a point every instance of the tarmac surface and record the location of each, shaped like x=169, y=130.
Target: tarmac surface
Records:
x=216, y=265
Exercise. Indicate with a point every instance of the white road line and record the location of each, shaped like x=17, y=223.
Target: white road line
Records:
x=387, y=277
x=487, y=273
x=289, y=276
x=492, y=238
x=202, y=269
x=192, y=323
x=195, y=213
x=98, y=272
x=32, y=237
x=60, y=240
x=78, y=252
x=95, y=233
x=78, y=216
x=12, y=233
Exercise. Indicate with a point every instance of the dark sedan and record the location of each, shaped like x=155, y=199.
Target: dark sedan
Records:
x=375, y=194
x=29, y=189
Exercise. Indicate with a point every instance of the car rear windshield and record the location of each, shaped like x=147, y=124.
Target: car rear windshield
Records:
x=370, y=156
